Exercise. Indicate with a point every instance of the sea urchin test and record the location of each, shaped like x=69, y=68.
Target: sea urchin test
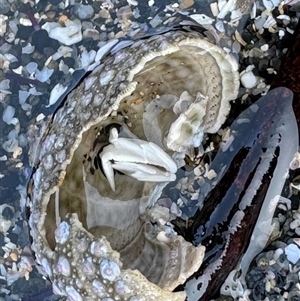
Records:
x=105, y=158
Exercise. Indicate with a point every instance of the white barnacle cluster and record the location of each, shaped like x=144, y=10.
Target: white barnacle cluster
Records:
x=111, y=149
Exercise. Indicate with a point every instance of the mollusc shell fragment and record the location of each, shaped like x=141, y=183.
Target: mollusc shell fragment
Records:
x=80, y=265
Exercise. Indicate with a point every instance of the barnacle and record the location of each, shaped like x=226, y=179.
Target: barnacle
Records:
x=99, y=237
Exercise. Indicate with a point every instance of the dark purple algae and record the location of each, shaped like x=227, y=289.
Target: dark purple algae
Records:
x=289, y=72
x=247, y=168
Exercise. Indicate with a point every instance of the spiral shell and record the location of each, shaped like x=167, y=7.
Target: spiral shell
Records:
x=111, y=237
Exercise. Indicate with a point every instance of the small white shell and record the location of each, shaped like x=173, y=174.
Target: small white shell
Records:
x=202, y=19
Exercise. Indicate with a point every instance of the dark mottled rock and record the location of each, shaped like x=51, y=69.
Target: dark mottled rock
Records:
x=65, y=79
x=13, y=238
x=55, y=2
x=24, y=32
x=2, y=281
x=294, y=296
x=254, y=276
x=295, y=202
x=89, y=43
x=31, y=286
x=39, y=58
x=5, y=7
x=275, y=63
x=14, y=65
x=7, y=213
x=263, y=64
x=258, y=291
x=26, y=58
x=16, y=50
x=48, y=51
x=69, y=61
x=40, y=39
x=77, y=75
x=1, y=243
x=23, y=238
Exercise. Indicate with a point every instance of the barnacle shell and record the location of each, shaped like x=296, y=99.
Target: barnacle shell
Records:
x=99, y=249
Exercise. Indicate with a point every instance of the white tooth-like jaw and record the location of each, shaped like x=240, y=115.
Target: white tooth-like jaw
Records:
x=142, y=160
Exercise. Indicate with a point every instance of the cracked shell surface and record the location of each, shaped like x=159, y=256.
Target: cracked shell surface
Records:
x=86, y=251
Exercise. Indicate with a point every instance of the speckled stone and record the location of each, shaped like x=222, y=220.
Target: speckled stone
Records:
x=7, y=213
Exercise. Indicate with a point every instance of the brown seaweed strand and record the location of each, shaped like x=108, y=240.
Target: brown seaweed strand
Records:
x=289, y=72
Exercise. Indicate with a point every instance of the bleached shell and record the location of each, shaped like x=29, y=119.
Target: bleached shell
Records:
x=73, y=245
x=249, y=80
x=292, y=252
x=68, y=35
x=8, y=114
x=187, y=130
